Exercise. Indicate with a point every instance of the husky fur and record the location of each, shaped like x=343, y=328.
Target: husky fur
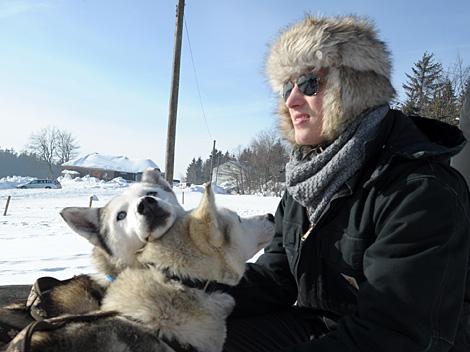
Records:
x=357, y=63
x=150, y=298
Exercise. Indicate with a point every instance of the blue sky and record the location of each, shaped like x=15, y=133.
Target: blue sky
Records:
x=101, y=69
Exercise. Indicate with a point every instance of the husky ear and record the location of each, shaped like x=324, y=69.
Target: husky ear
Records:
x=203, y=225
x=84, y=221
x=153, y=176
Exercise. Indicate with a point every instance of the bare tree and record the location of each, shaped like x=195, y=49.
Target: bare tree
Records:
x=43, y=144
x=66, y=147
x=53, y=146
x=271, y=157
x=459, y=73
x=259, y=167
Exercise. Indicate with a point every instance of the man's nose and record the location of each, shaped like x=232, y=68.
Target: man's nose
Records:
x=296, y=98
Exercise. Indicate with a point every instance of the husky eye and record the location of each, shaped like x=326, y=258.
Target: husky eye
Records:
x=152, y=194
x=121, y=215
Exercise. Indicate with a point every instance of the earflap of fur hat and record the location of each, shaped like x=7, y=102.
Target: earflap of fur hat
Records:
x=348, y=93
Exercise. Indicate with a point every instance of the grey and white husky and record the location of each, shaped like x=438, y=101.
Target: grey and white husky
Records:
x=167, y=265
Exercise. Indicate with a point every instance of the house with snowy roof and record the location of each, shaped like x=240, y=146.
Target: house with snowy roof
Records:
x=107, y=167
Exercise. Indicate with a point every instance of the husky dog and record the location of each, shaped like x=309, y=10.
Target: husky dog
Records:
x=207, y=245
x=118, y=230
x=167, y=265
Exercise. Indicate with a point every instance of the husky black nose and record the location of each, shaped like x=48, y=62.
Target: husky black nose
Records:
x=146, y=205
x=270, y=217
x=152, y=211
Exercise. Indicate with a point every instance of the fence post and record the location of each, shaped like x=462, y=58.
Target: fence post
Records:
x=6, y=206
x=92, y=198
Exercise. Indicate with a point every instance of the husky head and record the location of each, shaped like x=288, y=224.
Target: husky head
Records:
x=143, y=212
x=210, y=243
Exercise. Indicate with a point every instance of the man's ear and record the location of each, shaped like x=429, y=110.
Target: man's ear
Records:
x=84, y=221
x=203, y=226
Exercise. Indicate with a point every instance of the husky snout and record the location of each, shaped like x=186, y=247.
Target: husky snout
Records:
x=156, y=216
x=149, y=206
x=154, y=211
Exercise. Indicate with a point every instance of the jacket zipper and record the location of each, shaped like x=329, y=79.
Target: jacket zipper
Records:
x=306, y=234
x=312, y=226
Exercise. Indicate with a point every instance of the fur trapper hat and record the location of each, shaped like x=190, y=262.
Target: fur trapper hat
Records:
x=357, y=62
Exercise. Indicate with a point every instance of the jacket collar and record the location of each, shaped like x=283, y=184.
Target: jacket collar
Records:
x=410, y=138
x=417, y=137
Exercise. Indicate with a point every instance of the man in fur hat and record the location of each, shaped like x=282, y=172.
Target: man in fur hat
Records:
x=372, y=241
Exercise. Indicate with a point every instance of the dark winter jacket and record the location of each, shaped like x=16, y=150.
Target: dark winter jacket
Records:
x=389, y=258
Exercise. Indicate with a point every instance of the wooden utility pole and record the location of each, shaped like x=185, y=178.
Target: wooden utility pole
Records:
x=170, y=139
x=212, y=160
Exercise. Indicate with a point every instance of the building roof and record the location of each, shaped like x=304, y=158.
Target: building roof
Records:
x=109, y=162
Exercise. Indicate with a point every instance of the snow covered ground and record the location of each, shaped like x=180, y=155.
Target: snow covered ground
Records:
x=35, y=241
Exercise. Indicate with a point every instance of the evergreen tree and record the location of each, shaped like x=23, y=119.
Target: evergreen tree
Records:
x=191, y=171
x=219, y=159
x=206, y=169
x=24, y=164
x=199, y=172
x=421, y=85
x=194, y=172
x=444, y=105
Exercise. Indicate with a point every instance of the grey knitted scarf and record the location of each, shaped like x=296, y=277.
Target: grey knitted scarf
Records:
x=313, y=177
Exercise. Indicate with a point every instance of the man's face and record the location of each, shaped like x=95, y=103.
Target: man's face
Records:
x=306, y=113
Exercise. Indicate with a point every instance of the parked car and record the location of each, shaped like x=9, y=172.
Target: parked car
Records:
x=50, y=184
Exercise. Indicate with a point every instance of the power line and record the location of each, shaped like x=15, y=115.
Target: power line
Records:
x=197, y=81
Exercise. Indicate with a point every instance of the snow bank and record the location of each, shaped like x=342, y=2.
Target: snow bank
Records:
x=200, y=189
x=109, y=162
x=67, y=182
x=13, y=181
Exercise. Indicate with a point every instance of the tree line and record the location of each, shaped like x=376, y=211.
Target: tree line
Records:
x=24, y=164
x=435, y=92
x=430, y=91
x=257, y=168
x=47, y=149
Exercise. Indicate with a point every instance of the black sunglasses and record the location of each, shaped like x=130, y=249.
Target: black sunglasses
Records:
x=308, y=84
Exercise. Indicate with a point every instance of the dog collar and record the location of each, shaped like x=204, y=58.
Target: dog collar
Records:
x=177, y=347
x=205, y=285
